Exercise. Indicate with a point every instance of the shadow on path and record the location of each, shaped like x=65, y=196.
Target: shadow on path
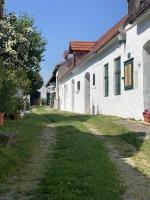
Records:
x=26, y=181
x=121, y=152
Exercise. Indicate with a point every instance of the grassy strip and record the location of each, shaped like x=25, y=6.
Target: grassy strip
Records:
x=13, y=157
x=80, y=168
x=108, y=127
x=121, y=136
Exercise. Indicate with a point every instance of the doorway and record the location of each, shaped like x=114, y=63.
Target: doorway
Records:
x=87, y=93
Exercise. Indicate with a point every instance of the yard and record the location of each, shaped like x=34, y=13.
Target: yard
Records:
x=63, y=156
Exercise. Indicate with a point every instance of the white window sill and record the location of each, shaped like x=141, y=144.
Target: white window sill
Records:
x=94, y=87
x=78, y=91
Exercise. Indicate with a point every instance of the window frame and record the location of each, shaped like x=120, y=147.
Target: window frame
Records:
x=78, y=85
x=106, y=78
x=117, y=76
x=94, y=79
x=126, y=63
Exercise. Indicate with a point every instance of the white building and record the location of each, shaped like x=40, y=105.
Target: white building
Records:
x=52, y=89
x=43, y=92
x=112, y=75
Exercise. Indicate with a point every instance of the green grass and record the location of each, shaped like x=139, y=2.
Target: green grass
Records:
x=108, y=127
x=80, y=168
x=13, y=157
x=123, y=138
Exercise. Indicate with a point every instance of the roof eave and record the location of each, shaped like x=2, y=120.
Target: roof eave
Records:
x=131, y=19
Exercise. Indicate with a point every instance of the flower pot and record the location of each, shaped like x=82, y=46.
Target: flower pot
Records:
x=147, y=118
x=1, y=119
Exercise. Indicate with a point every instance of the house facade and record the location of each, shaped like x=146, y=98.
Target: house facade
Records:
x=52, y=89
x=112, y=75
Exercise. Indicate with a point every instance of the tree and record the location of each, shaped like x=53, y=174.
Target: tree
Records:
x=36, y=82
x=34, y=54
x=21, y=52
x=21, y=47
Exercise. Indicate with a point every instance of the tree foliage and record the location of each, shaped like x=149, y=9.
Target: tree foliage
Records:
x=21, y=52
x=36, y=82
x=21, y=45
x=10, y=89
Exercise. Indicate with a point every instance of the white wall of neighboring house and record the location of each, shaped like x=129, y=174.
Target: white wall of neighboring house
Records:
x=43, y=91
x=130, y=103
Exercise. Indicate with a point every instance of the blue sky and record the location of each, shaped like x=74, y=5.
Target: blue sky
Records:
x=64, y=20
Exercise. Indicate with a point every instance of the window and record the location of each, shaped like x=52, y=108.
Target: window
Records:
x=78, y=85
x=118, y=76
x=93, y=79
x=128, y=74
x=106, y=80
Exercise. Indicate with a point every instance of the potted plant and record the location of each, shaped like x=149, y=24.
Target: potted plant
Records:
x=146, y=115
x=17, y=108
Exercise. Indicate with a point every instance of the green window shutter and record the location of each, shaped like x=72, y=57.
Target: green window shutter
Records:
x=93, y=79
x=106, y=80
x=78, y=85
x=118, y=76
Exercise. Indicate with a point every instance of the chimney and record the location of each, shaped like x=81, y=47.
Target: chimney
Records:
x=1, y=8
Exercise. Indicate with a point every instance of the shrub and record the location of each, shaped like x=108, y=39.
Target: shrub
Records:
x=43, y=101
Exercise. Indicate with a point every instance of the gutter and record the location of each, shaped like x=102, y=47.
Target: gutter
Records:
x=139, y=13
x=88, y=56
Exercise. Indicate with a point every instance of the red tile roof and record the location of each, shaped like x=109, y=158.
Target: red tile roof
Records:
x=109, y=35
x=99, y=44
x=81, y=46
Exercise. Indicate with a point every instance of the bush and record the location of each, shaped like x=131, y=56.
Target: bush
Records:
x=18, y=104
x=43, y=102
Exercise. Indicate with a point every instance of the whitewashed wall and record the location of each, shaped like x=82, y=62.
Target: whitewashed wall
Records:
x=131, y=103
x=43, y=91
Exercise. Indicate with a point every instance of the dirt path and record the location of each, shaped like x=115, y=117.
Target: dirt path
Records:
x=141, y=129
x=21, y=186
x=136, y=184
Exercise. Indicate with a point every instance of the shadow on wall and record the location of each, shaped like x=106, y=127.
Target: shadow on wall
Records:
x=146, y=72
x=141, y=27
